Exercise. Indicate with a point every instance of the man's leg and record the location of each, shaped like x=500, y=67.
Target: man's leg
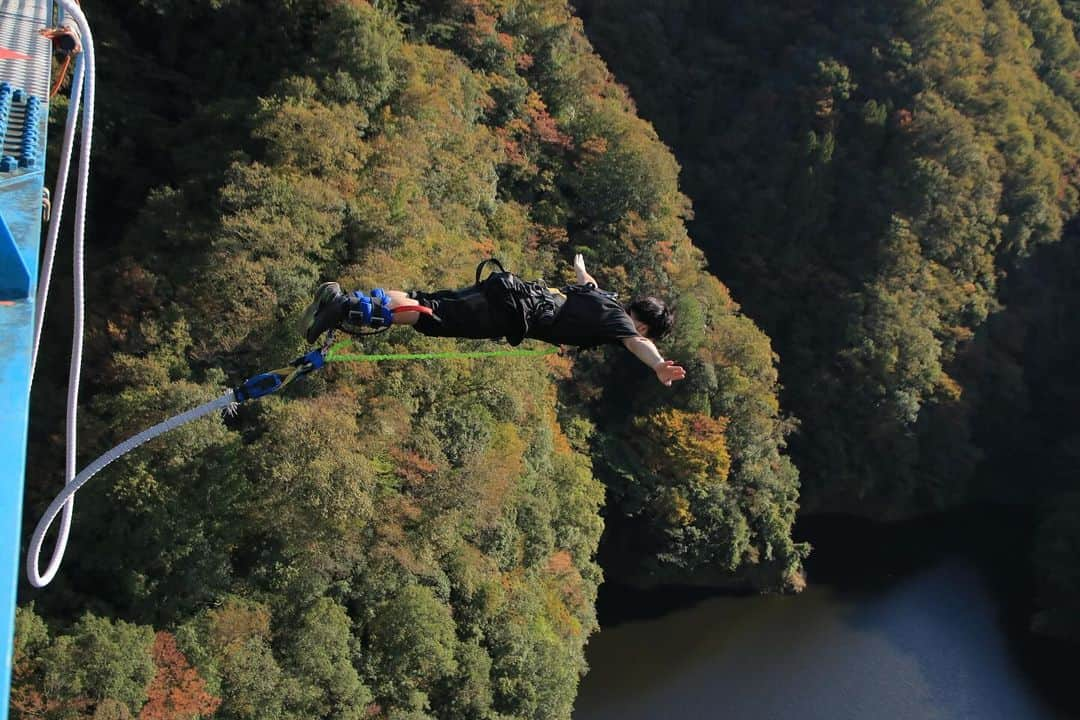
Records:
x=461, y=313
x=331, y=308
x=464, y=313
x=399, y=298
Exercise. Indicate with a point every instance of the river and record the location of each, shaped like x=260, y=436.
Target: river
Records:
x=908, y=643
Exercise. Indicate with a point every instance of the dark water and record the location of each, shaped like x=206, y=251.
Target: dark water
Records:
x=928, y=643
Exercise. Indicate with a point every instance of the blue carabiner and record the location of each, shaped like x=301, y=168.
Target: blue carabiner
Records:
x=257, y=386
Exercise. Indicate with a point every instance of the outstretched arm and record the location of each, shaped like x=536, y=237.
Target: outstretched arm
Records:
x=667, y=371
x=583, y=277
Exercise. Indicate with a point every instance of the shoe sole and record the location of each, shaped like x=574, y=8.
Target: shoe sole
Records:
x=326, y=292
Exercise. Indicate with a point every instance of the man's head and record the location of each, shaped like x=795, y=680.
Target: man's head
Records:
x=652, y=317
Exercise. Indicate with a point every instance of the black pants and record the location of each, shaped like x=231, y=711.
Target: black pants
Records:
x=503, y=305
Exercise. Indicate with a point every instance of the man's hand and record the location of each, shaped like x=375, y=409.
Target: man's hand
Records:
x=668, y=371
x=583, y=276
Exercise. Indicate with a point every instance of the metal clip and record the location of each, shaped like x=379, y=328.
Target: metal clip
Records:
x=256, y=387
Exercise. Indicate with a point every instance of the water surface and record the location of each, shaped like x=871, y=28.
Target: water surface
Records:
x=928, y=646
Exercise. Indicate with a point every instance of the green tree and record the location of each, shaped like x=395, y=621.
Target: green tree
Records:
x=410, y=645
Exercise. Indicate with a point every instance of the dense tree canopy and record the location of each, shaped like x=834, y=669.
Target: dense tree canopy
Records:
x=880, y=184
x=401, y=541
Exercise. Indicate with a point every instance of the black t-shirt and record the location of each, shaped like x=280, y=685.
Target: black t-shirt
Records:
x=588, y=317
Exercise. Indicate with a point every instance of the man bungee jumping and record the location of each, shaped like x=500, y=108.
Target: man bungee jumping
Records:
x=504, y=305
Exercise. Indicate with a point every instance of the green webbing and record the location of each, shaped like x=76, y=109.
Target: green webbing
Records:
x=333, y=354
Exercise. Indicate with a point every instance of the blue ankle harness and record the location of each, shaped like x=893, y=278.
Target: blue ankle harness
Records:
x=370, y=311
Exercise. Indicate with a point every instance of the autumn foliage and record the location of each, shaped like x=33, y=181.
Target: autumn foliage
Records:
x=396, y=539
x=686, y=446
x=890, y=190
x=177, y=691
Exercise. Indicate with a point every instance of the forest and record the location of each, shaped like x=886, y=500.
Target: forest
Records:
x=395, y=540
x=890, y=191
x=865, y=222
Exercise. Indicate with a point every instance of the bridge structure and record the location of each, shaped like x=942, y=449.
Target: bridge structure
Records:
x=25, y=65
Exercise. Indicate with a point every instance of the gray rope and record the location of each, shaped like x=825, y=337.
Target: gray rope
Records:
x=33, y=554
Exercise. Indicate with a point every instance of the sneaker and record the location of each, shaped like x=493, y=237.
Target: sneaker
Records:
x=325, y=312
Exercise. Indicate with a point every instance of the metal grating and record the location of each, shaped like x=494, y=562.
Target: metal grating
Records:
x=20, y=21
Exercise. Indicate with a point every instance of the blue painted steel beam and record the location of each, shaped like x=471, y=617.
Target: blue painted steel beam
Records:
x=20, y=204
x=22, y=145
x=14, y=275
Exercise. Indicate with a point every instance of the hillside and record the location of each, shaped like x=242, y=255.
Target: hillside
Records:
x=395, y=540
x=888, y=189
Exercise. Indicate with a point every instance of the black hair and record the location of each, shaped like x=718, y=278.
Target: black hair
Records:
x=655, y=314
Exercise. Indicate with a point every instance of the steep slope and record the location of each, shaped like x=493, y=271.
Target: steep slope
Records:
x=412, y=540
x=872, y=180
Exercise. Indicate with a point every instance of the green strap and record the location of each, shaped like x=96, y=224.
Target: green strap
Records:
x=334, y=354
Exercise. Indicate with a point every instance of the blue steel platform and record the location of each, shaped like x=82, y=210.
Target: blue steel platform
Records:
x=23, y=124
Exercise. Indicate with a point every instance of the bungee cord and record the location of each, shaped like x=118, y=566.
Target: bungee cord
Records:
x=65, y=499
x=82, y=93
x=336, y=355
x=84, y=88
x=253, y=388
